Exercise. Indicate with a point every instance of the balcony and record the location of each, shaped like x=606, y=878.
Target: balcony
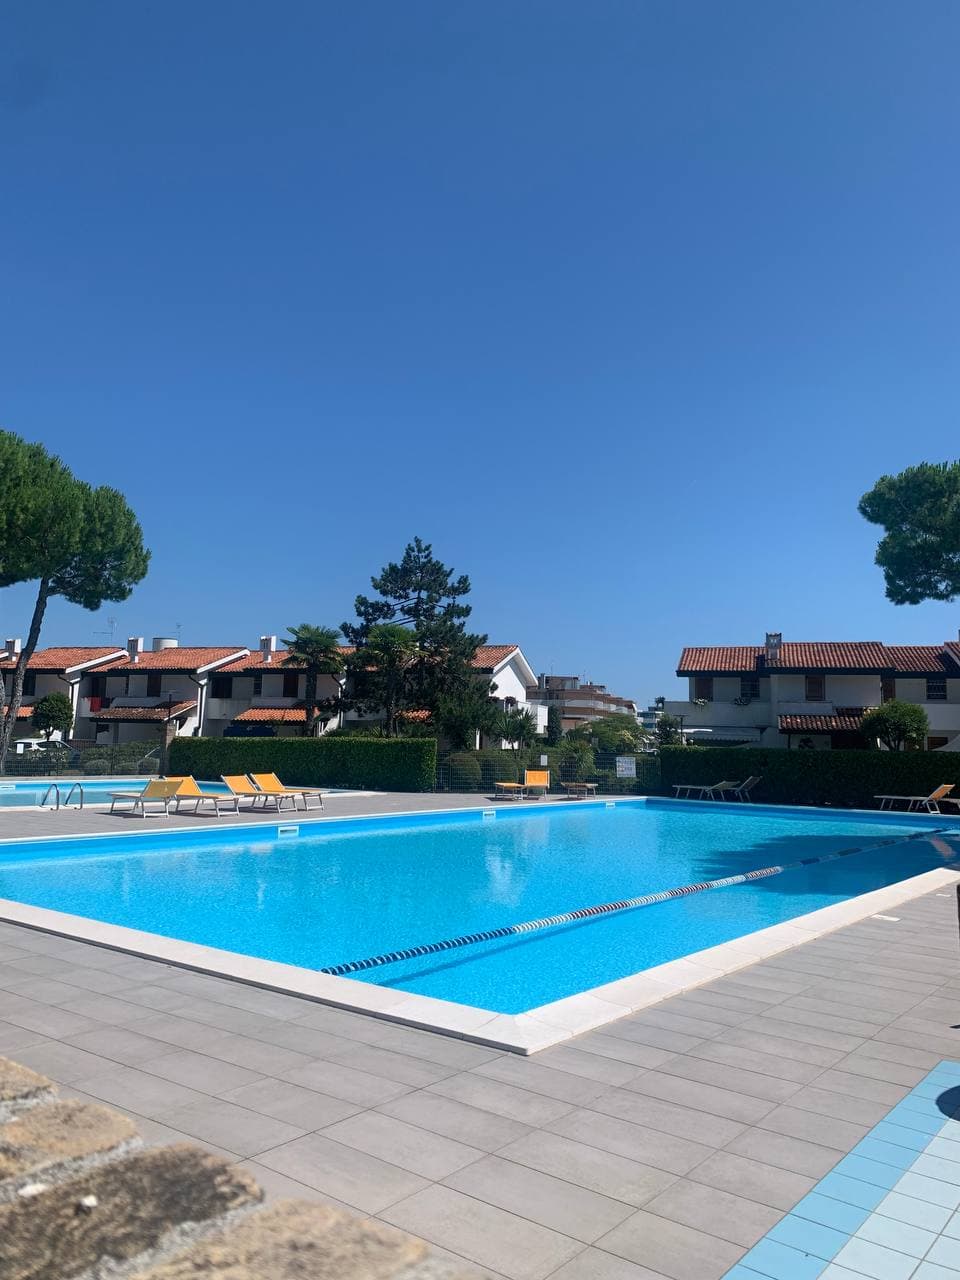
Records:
x=726, y=713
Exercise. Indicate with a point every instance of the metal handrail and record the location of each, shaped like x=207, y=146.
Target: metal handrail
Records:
x=77, y=786
x=46, y=795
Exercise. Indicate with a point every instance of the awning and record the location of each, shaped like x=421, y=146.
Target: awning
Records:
x=726, y=733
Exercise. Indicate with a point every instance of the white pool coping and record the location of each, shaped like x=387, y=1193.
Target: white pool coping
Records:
x=523, y=1033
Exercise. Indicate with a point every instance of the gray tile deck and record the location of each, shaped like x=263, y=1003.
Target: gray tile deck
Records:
x=660, y=1148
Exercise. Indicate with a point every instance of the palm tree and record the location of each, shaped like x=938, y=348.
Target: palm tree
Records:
x=517, y=727
x=316, y=650
x=387, y=662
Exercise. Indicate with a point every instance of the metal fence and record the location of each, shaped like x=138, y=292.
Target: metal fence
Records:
x=81, y=759
x=480, y=771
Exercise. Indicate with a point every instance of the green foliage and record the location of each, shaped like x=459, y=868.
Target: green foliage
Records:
x=462, y=715
x=667, y=732
x=616, y=732
x=554, y=725
x=843, y=779
x=316, y=651
x=51, y=714
x=78, y=542
x=464, y=770
x=919, y=510
x=379, y=764
x=897, y=724
x=517, y=727
x=96, y=767
x=384, y=673
x=422, y=595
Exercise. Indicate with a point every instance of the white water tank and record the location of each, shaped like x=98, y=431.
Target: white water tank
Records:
x=164, y=642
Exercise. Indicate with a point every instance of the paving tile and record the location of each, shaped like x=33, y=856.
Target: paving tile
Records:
x=428, y=1154
x=591, y=1066
x=198, y=1071
x=916, y=1213
x=597, y=1264
x=310, y=1041
x=62, y=1062
x=528, y=1074
x=945, y=1252
x=624, y=1138
x=46, y=990
x=629, y=1051
x=719, y=1213
x=151, y=995
x=174, y=1030
x=665, y=1017
x=828, y=1131
x=47, y=1019
x=706, y=1097
x=770, y=1258
x=399, y=1067
x=277, y=1186
x=104, y=1008
x=881, y=1069
x=120, y=1044
x=446, y=1051
x=738, y=1079
x=840, y=1081
x=351, y=1176
x=304, y=1108
x=930, y=1190
x=785, y=1152
x=235, y=1128
x=754, y=1060
x=140, y=1092
x=840, y=1105
x=349, y=1085
x=552, y=1202
x=825, y=1038
x=668, y=1117
x=809, y=1237
x=255, y=1055
x=654, y=1037
x=500, y=1098
x=931, y=1271
x=14, y=1038
x=830, y=1212
x=453, y=1119
x=678, y=1251
x=875, y=1260
x=752, y=1179
x=896, y=1235
x=611, y=1175
x=340, y=1022
x=483, y=1233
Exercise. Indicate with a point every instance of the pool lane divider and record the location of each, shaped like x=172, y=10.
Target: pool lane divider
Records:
x=609, y=908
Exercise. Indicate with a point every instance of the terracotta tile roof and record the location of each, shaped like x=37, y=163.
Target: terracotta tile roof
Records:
x=179, y=659
x=832, y=655
x=254, y=662
x=61, y=659
x=158, y=714
x=23, y=713
x=272, y=715
x=489, y=656
x=922, y=659
x=417, y=717
x=847, y=720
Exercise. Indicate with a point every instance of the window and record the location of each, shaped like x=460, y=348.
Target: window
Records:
x=291, y=684
x=29, y=684
x=153, y=684
x=221, y=687
x=703, y=689
x=258, y=684
x=815, y=689
x=936, y=689
x=749, y=686
x=888, y=689
x=935, y=743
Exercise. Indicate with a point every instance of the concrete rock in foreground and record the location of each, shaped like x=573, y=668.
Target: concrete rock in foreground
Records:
x=42, y=1138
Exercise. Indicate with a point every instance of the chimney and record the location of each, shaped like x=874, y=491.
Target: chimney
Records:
x=135, y=648
x=772, y=646
x=268, y=647
x=12, y=647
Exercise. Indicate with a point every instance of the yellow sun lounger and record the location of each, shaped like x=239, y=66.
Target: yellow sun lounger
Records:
x=271, y=785
x=159, y=791
x=239, y=785
x=533, y=780
x=188, y=792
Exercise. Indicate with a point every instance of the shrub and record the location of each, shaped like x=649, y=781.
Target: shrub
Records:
x=92, y=767
x=843, y=779
x=377, y=764
x=463, y=771
x=125, y=768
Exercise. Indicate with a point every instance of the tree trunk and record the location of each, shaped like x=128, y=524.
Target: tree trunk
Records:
x=19, y=675
x=310, y=702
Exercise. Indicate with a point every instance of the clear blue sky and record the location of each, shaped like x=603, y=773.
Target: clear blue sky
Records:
x=620, y=304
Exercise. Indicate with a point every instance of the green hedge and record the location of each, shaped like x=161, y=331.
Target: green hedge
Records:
x=375, y=764
x=842, y=779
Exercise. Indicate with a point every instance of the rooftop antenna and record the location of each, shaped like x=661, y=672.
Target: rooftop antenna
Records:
x=179, y=626
x=111, y=631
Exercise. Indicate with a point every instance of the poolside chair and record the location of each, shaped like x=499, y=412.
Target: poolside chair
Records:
x=508, y=790
x=705, y=792
x=536, y=780
x=270, y=785
x=239, y=785
x=188, y=792
x=743, y=793
x=579, y=790
x=160, y=791
x=929, y=804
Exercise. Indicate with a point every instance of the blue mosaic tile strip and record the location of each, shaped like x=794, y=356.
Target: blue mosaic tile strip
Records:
x=890, y=1210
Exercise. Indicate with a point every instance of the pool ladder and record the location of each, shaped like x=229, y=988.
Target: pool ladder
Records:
x=54, y=789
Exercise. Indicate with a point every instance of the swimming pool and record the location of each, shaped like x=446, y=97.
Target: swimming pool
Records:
x=339, y=890
x=95, y=790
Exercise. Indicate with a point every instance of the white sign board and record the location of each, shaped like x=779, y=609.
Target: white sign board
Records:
x=626, y=766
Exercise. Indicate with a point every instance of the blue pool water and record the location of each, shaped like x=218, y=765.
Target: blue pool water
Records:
x=94, y=789
x=345, y=889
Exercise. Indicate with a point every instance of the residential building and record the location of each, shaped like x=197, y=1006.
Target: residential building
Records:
x=512, y=678
x=814, y=694
x=262, y=693
x=55, y=670
x=579, y=702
